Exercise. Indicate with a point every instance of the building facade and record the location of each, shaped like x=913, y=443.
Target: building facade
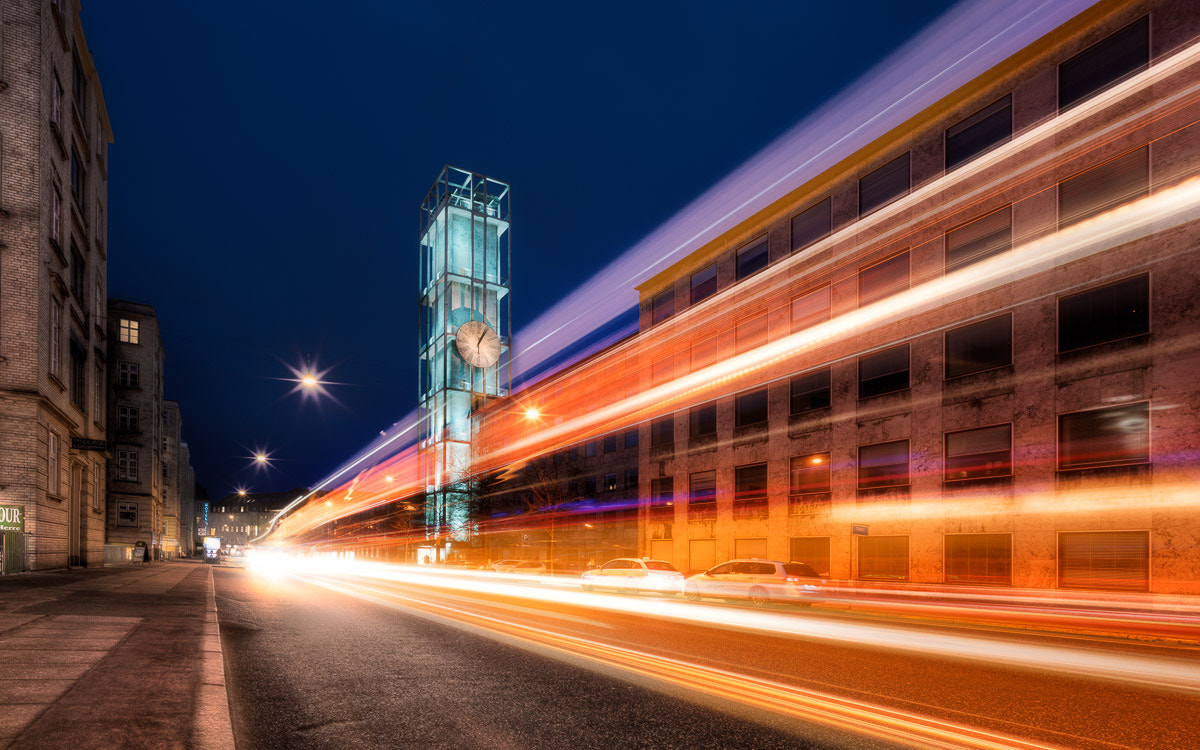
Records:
x=239, y=519
x=54, y=132
x=187, y=501
x=136, y=491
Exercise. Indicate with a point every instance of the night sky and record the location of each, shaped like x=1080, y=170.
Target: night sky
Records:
x=270, y=159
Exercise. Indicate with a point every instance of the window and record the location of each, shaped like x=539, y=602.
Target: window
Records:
x=78, y=179
x=662, y=491
x=752, y=259
x=979, y=133
x=883, y=557
x=55, y=216
x=631, y=438
x=1113, y=436
x=127, y=418
x=128, y=332
x=810, y=474
x=128, y=374
x=811, y=391
x=631, y=479
x=610, y=443
x=979, y=559
x=811, y=308
x=1108, y=313
x=98, y=394
x=750, y=408
x=662, y=431
x=883, y=372
x=702, y=421
x=812, y=224
x=751, y=333
x=813, y=551
x=979, y=453
x=662, y=371
x=883, y=279
x=79, y=85
x=55, y=337
x=610, y=482
x=883, y=465
x=127, y=466
x=704, y=283
x=589, y=448
x=662, y=306
x=1118, y=560
x=53, y=473
x=1104, y=187
x=980, y=346
x=884, y=185
x=164, y=473
x=78, y=383
x=979, y=239
x=706, y=352
x=78, y=273
x=703, y=487
x=1104, y=64
x=56, y=101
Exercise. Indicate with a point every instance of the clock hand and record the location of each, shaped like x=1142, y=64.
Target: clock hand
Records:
x=480, y=341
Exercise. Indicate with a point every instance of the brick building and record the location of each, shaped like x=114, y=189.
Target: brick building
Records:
x=137, y=432
x=188, y=528
x=54, y=136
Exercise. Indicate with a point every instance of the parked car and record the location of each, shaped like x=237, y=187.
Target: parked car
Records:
x=527, y=567
x=758, y=581
x=631, y=575
x=502, y=565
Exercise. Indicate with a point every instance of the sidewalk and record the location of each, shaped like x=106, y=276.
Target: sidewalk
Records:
x=112, y=657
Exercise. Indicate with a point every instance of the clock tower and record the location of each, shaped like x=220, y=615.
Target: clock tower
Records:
x=464, y=336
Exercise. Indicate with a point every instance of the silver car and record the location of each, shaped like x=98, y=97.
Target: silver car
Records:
x=633, y=575
x=760, y=582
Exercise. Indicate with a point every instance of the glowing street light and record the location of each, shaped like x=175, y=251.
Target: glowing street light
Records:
x=241, y=492
x=260, y=458
x=532, y=414
x=309, y=380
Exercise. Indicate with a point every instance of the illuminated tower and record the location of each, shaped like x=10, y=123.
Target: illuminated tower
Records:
x=464, y=335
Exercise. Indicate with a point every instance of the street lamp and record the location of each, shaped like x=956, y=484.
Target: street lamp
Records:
x=532, y=414
x=241, y=492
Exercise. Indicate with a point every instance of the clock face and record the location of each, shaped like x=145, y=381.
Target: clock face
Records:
x=478, y=343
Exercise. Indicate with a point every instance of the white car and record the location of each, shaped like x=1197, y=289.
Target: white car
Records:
x=527, y=567
x=760, y=582
x=502, y=565
x=631, y=575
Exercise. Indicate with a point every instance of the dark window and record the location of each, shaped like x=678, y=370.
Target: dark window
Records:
x=78, y=274
x=750, y=408
x=1104, y=437
x=883, y=465
x=706, y=352
x=812, y=224
x=1105, y=63
x=1104, y=187
x=812, y=551
x=79, y=86
x=610, y=482
x=979, y=559
x=1108, y=313
x=662, y=431
x=883, y=279
x=78, y=180
x=703, y=486
x=811, y=391
x=703, y=420
x=631, y=479
x=751, y=333
x=662, y=371
x=980, y=346
x=610, y=443
x=662, y=306
x=883, y=557
x=589, y=448
x=127, y=418
x=884, y=185
x=1117, y=560
x=631, y=438
x=587, y=486
x=810, y=474
x=750, y=482
x=810, y=308
x=751, y=260
x=883, y=372
x=128, y=374
x=78, y=375
x=974, y=454
x=704, y=283
x=662, y=491
x=982, y=131
x=979, y=239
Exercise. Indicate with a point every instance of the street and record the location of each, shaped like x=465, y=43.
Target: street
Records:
x=340, y=659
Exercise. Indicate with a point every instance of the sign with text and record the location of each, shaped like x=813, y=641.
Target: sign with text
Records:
x=12, y=518
x=858, y=529
x=88, y=444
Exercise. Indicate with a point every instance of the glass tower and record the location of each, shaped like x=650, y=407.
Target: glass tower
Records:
x=465, y=255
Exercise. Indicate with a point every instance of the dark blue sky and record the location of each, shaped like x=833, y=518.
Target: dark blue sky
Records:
x=270, y=159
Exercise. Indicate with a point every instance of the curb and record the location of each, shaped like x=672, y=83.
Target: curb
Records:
x=212, y=728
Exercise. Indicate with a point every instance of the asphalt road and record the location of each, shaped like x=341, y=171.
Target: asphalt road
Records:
x=339, y=661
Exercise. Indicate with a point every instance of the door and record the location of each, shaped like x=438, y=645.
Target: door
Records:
x=663, y=549
x=73, y=525
x=702, y=554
